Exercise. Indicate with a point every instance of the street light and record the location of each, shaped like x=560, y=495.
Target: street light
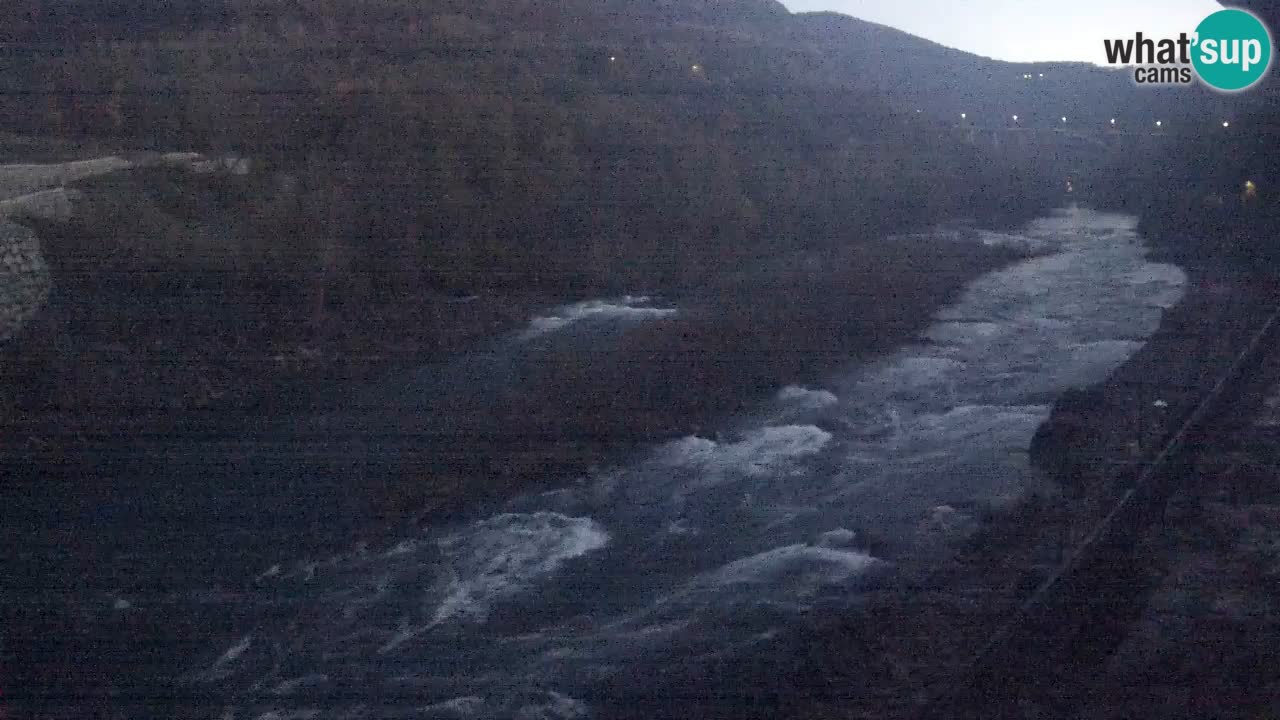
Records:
x=1015, y=118
x=963, y=116
x=1113, y=121
x=1064, y=118
x=1226, y=124
x=1159, y=123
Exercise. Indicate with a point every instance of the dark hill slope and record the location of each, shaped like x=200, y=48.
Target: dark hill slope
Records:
x=518, y=148
x=918, y=73
x=471, y=137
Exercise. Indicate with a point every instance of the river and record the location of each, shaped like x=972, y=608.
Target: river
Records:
x=694, y=549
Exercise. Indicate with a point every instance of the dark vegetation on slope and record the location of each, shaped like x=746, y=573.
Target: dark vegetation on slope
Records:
x=412, y=154
x=946, y=82
x=745, y=162
x=1216, y=199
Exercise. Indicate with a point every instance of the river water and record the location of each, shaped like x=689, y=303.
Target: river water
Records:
x=702, y=547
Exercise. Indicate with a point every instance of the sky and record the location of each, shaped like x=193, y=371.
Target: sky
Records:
x=1025, y=30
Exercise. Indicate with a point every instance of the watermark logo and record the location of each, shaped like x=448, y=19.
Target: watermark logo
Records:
x=1229, y=51
x=1234, y=50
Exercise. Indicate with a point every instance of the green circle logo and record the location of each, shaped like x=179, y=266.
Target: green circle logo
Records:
x=1232, y=50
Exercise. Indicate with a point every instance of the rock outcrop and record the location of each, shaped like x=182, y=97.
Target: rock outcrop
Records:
x=37, y=192
x=1072, y=426
x=24, y=277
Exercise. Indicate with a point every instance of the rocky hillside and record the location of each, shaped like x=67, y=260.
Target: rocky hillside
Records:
x=945, y=82
x=519, y=152
x=470, y=138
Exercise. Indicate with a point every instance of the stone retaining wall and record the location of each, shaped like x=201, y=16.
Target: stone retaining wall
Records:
x=24, y=278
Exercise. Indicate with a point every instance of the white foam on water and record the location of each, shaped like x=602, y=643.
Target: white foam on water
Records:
x=1163, y=282
x=944, y=520
x=911, y=372
x=404, y=547
x=962, y=332
x=762, y=452
x=502, y=555
x=791, y=575
x=1111, y=353
x=221, y=667
x=1022, y=242
x=904, y=448
x=800, y=567
x=978, y=418
x=955, y=431
x=840, y=537
x=628, y=308
x=688, y=450
x=758, y=452
x=235, y=651
x=542, y=705
x=462, y=708
x=405, y=634
x=680, y=526
x=288, y=687
x=806, y=398
x=1051, y=324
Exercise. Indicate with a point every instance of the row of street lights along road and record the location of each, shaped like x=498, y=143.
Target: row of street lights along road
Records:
x=695, y=68
x=1159, y=123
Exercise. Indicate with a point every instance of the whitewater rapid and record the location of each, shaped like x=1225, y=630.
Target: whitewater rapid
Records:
x=628, y=307
x=707, y=544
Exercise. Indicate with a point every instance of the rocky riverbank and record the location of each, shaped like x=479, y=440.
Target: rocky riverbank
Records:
x=1204, y=643
x=1126, y=418
x=101, y=366
x=914, y=638
x=158, y=307
x=172, y=313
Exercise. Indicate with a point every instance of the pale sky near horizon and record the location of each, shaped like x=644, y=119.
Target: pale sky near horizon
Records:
x=1025, y=30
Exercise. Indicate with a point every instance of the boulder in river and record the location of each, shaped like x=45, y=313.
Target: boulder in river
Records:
x=1071, y=427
